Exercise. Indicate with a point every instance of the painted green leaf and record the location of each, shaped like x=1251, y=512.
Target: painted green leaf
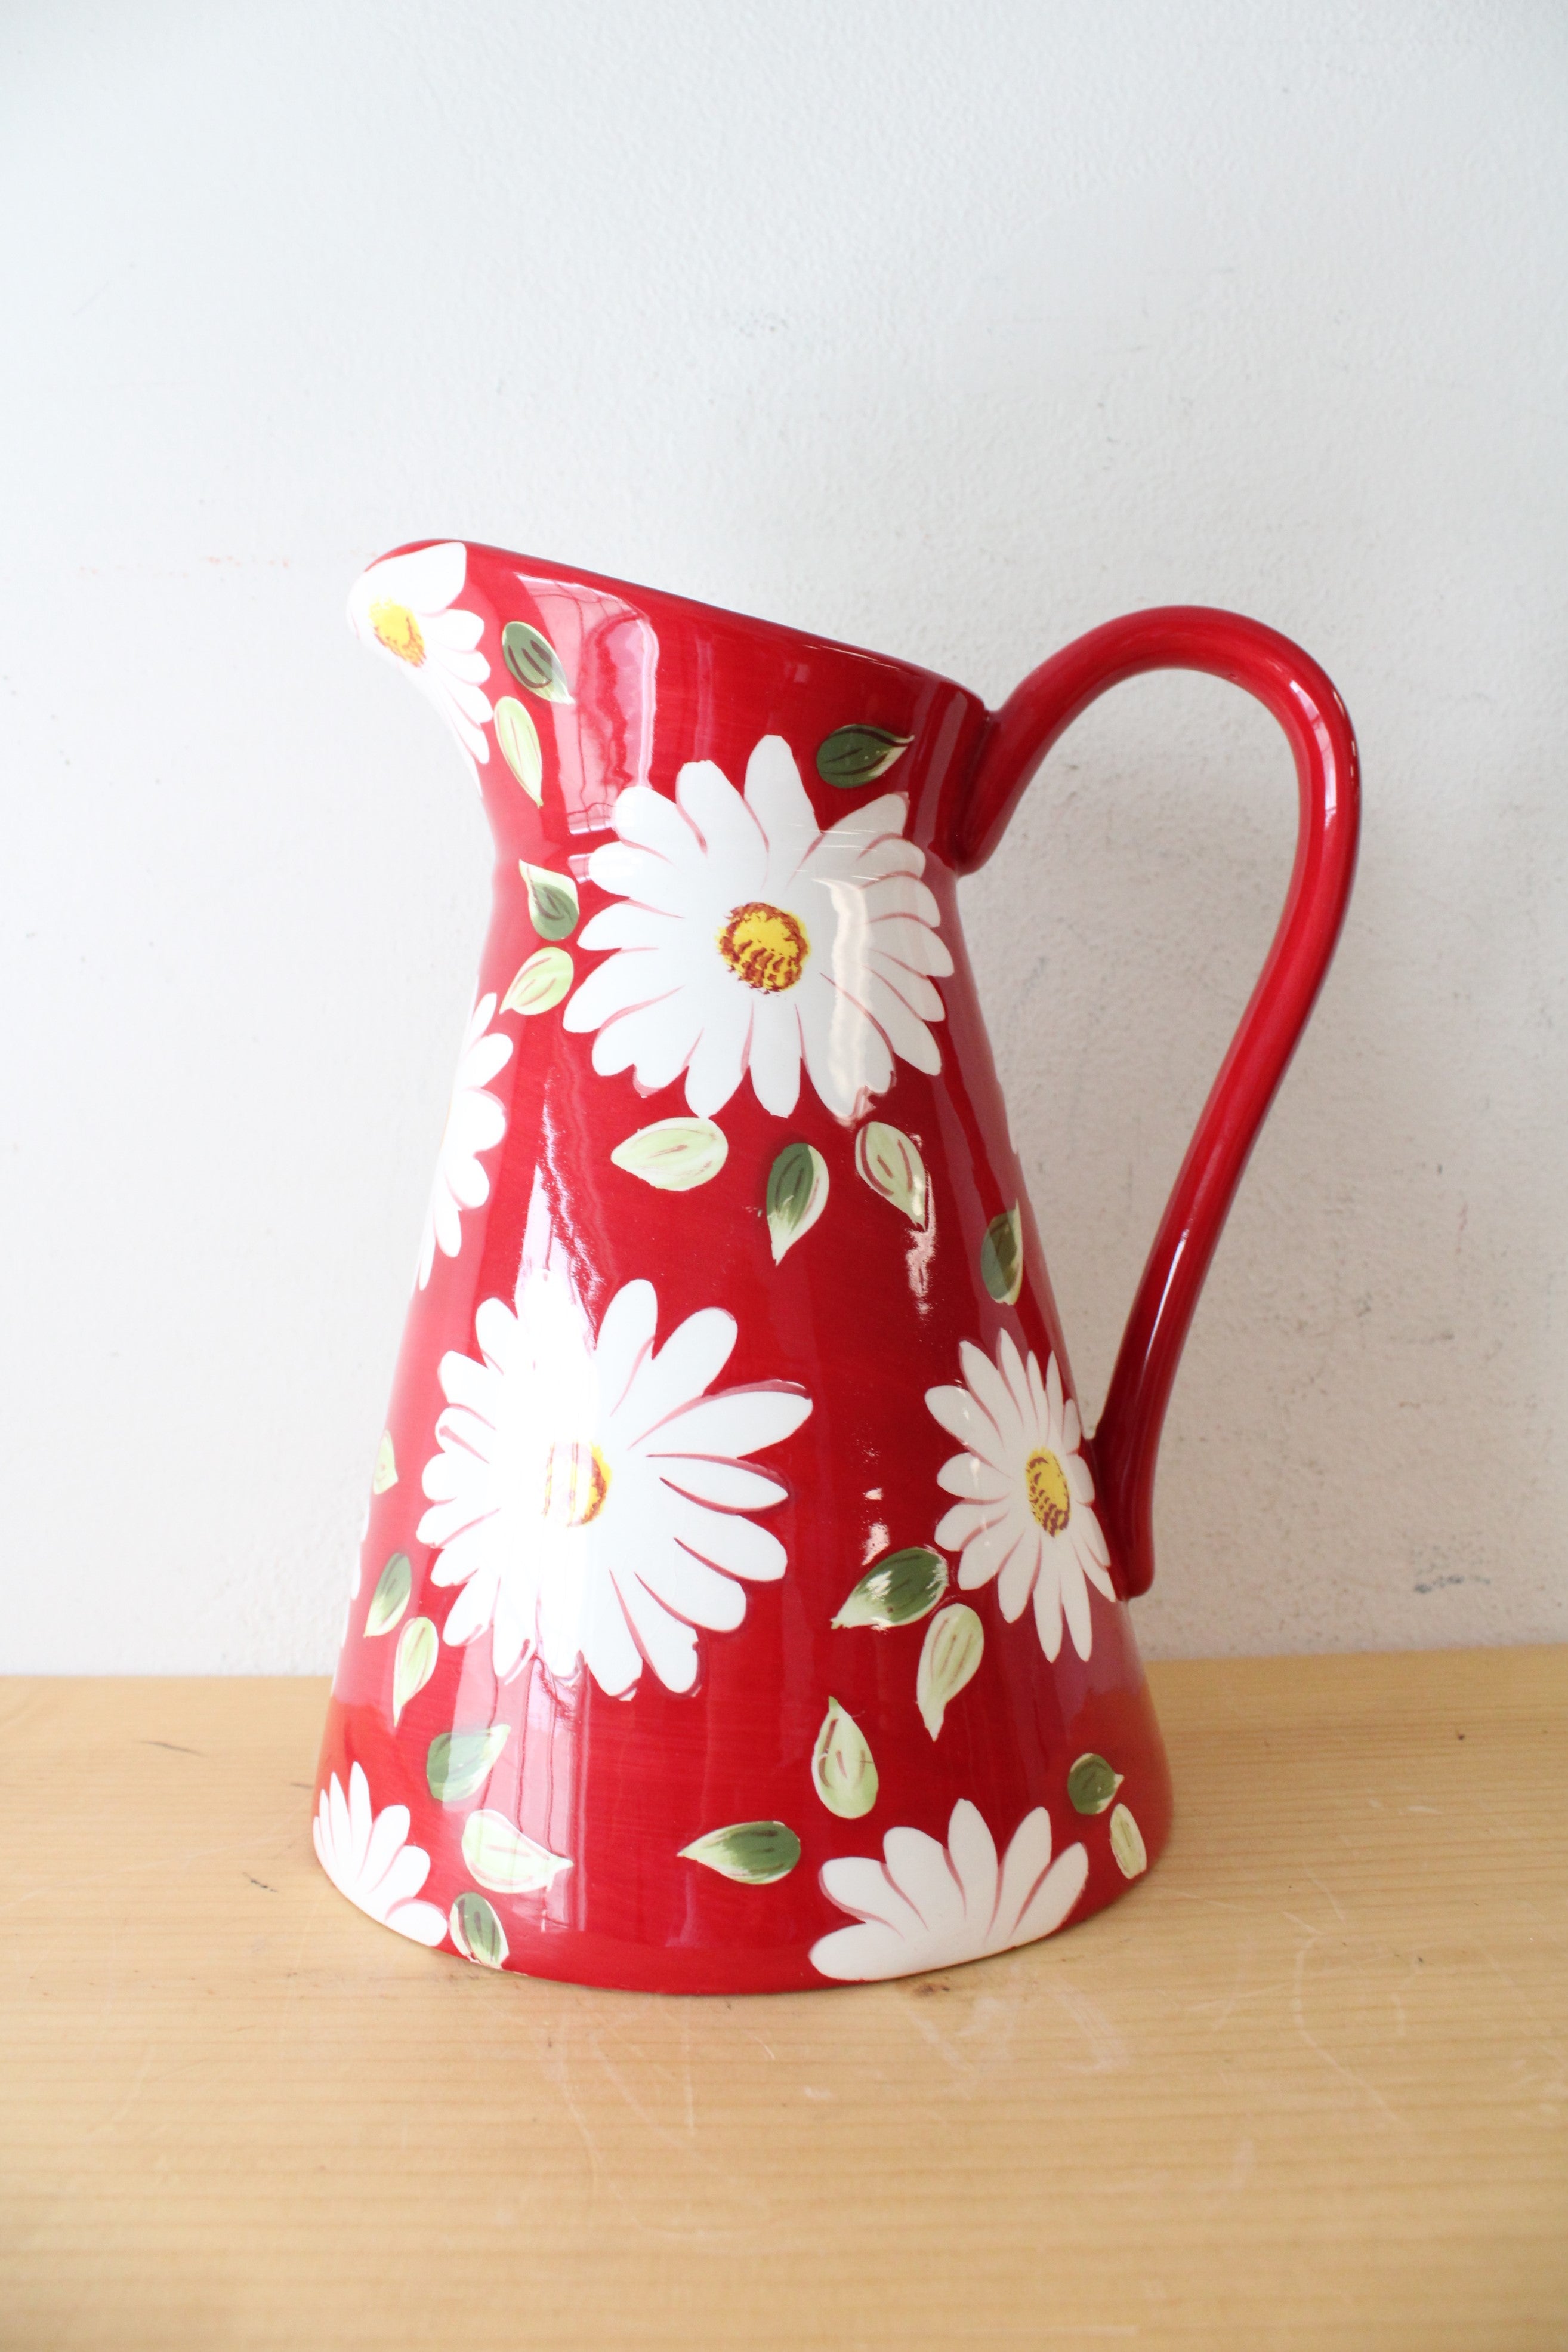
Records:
x=673, y=1155
x=752, y=1852
x=950, y=1657
x=897, y=1591
x=1001, y=1257
x=553, y=908
x=797, y=1194
x=534, y=662
x=477, y=1932
x=1127, y=1844
x=1091, y=1784
x=520, y=740
x=890, y=1162
x=842, y=1765
x=390, y=1598
x=504, y=1860
x=858, y=755
x=541, y=982
x=418, y=1648
x=459, y=1762
x=385, y=1473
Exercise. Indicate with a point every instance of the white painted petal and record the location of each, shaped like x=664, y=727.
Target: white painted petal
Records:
x=973, y=1853
x=910, y=989
x=781, y=805
x=1053, y=1398
x=729, y=1486
x=647, y=820
x=918, y=1866
x=911, y=944
x=1018, y=1570
x=690, y=1588
x=388, y=1834
x=1074, y=1594
x=690, y=1360
x=359, y=1818
x=983, y=1554
x=977, y=1480
x=1028, y=1860
x=960, y=1525
x=736, y=1421
x=405, y=1872
x=1047, y=1614
x=628, y=925
x=426, y=580
x=626, y=1335
x=991, y=1392
x=638, y=874
x=725, y=1541
x=657, y=1040
x=669, y=1645
x=901, y=894
x=422, y=1922
x=1058, y=1890
x=774, y=1055
x=719, y=1058
x=963, y=1417
x=633, y=977
x=731, y=835
x=846, y=1055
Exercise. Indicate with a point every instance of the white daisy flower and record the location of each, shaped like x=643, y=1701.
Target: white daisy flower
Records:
x=475, y=1122
x=368, y=1858
x=407, y=608
x=930, y=1906
x=589, y=1496
x=1027, y=1516
x=752, y=940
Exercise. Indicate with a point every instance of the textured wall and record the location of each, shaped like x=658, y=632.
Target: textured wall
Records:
x=951, y=332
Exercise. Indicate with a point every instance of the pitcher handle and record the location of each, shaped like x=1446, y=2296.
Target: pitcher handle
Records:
x=1016, y=738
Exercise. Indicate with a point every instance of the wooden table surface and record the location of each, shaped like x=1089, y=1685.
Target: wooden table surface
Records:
x=1305, y=2086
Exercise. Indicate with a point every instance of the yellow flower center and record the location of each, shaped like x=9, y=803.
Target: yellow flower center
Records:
x=764, y=946
x=1049, y=1497
x=398, y=630
x=576, y=1480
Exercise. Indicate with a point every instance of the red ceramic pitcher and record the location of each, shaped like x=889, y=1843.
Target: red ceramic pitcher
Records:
x=743, y=1602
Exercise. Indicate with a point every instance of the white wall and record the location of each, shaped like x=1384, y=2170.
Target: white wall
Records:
x=949, y=331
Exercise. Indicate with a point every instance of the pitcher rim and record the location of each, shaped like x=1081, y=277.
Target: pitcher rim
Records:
x=579, y=575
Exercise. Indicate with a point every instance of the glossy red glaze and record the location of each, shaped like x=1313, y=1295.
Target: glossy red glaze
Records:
x=587, y=1525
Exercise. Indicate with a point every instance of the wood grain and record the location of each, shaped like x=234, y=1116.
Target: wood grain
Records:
x=1304, y=2088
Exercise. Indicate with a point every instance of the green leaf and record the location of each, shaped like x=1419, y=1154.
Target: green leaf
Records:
x=797, y=1194
x=1091, y=1784
x=534, y=662
x=1127, y=1844
x=477, y=1932
x=503, y=1859
x=753, y=1853
x=553, y=906
x=858, y=755
x=520, y=740
x=1001, y=1257
x=385, y=1473
x=842, y=1765
x=950, y=1657
x=898, y=1590
x=418, y=1648
x=541, y=982
x=460, y=1762
x=890, y=1162
x=673, y=1155
x=390, y=1598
